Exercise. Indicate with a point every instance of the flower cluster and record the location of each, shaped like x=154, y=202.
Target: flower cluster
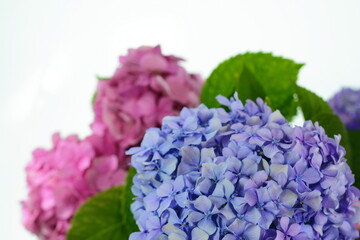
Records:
x=345, y=103
x=62, y=178
x=145, y=88
x=242, y=174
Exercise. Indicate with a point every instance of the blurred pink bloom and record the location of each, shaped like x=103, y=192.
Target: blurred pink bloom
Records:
x=146, y=87
x=62, y=178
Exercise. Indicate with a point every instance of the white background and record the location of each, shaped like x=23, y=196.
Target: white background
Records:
x=51, y=51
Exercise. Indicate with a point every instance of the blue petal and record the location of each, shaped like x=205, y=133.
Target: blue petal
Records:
x=252, y=215
x=191, y=123
x=266, y=219
x=208, y=170
x=270, y=150
x=190, y=159
x=203, y=204
x=195, y=217
x=288, y=198
x=238, y=226
x=207, y=155
x=249, y=167
x=223, y=100
x=182, y=199
x=277, y=169
x=251, y=197
x=165, y=189
x=151, y=138
x=252, y=232
x=168, y=165
x=151, y=202
x=207, y=225
x=262, y=195
x=199, y=234
x=311, y=175
x=313, y=199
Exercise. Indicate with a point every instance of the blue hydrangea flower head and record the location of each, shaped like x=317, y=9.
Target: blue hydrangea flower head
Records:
x=244, y=173
x=345, y=103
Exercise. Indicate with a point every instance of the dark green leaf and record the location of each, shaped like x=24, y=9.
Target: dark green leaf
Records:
x=249, y=87
x=99, y=218
x=222, y=81
x=354, y=137
x=278, y=77
x=255, y=75
x=127, y=198
x=107, y=215
x=311, y=104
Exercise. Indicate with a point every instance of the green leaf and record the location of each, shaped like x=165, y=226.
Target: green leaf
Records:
x=99, y=218
x=93, y=99
x=278, y=77
x=95, y=93
x=222, y=80
x=107, y=215
x=255, y=75
x=102, y=78
x=249, y=87
x=354, y=137
x=316, y=109
x=127, y=198
x=311, y=104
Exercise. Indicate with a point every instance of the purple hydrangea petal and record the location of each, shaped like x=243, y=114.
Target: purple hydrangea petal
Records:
x=182, y=199
x=270, y=150
x=294, y=229
x=165, y=189
x=252, y=232
x=251, y=197
x=195, y=217
x=313, y=200
x=265, y=134
x=284, y=223
x=266, y=219
x=288, y=198
x=151, y=202
x=203, y=204
x=311, y=176
x=237, y=226
x=345, y=104
x=260, y=177
x=199, y=234
x=229, y=237
x=277, y=117
x=173, y=232
x=190, y=160
x=207, y=225
x=137, y=235
x=280, y=235
x=277, y=169
x=252, y=215
x=248, y=166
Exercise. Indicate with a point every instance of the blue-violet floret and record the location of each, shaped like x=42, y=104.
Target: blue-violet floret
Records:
x=245, y=173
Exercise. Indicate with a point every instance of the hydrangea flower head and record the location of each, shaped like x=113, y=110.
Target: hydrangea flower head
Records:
x=64, y=177
x=146, y=87
x=241, y=174
x=345, y=103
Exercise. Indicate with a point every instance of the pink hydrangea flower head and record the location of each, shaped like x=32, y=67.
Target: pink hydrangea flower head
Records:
x=146, y=87
x=64, y=177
